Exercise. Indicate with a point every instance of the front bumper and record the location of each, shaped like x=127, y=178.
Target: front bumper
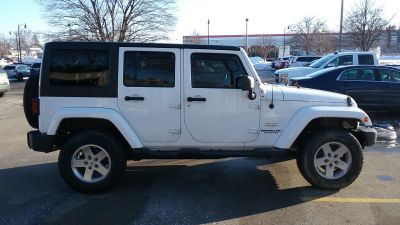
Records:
x=367, y=136
x=41, y=142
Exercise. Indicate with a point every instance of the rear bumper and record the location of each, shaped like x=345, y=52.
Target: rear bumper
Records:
x=368, y=136
x=41, y=142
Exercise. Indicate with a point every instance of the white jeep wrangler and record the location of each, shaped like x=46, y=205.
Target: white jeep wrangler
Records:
x=102, y=104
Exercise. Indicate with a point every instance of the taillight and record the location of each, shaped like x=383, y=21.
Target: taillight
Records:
x=35, y=106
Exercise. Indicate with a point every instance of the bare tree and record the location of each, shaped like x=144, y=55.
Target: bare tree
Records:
x=305, y=32
x=365, y=24
x=324, y=43
x=112, y=20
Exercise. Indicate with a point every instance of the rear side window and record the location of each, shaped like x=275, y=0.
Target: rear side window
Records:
x=365, y=59
x=79, y=67
x=149, y=69
x=344, y=60
x=215, y=70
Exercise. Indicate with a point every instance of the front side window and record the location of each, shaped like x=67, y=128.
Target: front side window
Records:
x=389, y=75
x=149, y=69
x=215, y=70
x=344, y=60
x=79, y=67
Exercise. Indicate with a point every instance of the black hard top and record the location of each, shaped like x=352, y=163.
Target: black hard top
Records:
x=69, y=44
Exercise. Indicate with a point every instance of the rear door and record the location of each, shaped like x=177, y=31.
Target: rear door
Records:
x=149, y=92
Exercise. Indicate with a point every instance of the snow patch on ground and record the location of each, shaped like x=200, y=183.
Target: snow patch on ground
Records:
x=389, y=60
x=259, y=63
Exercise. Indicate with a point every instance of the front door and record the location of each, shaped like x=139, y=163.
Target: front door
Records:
x=215, y=110
x=149, y=92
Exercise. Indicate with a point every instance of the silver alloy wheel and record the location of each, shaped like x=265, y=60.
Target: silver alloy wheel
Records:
x=332, y=160
x=91, y=163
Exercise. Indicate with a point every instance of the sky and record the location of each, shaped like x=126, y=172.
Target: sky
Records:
x=226, y=16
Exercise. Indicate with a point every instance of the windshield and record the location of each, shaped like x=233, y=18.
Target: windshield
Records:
x=321, y=61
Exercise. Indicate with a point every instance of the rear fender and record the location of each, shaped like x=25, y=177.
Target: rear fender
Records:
x=97, y=113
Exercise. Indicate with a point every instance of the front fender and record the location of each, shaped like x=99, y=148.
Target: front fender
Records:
x=97, y=113
x=305, y=115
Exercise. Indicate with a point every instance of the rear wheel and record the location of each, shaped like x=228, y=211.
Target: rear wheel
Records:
x=332, y=159
x=31, y=92
x=91, y=162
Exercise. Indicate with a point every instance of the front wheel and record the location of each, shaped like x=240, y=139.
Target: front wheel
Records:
x=332, y=159
x=2, y=94
x=91, y=162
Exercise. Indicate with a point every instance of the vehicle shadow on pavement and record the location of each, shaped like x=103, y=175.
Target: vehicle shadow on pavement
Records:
x=174, y=192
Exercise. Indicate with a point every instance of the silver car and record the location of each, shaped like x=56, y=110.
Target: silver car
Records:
x=4, y=83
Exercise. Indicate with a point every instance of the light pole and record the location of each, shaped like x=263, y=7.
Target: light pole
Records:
x=284, y=40
x=19, y=42
x=208, y=31
x=341, y=27
x=247, y=43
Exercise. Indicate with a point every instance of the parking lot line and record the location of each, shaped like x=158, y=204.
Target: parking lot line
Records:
x=357, y=200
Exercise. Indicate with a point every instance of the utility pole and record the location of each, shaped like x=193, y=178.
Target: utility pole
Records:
x=208, y=32
x=284, y=40
x=341, y=27
x=19, y=42
x=247, y=43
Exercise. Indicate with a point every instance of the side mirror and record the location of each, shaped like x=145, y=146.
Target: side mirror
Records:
x=330, y=65
x=246, y=83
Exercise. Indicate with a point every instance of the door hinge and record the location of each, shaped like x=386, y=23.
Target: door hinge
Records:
x=174, y=131
x=253, y=131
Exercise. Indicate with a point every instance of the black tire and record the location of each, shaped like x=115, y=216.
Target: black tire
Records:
x=314, y=174
x=116, y=161
x=20, y=77
x=2, y=94
x=31, y=91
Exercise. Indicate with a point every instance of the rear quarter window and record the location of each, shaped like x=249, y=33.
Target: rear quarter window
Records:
x=79, y=67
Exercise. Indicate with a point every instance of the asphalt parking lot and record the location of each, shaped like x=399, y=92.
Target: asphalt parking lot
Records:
x=227, y=191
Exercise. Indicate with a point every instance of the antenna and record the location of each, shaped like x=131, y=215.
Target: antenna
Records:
x=271, y=105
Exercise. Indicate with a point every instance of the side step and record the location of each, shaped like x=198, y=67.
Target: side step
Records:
x=193, y=153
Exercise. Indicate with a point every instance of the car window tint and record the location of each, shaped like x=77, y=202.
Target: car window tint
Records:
x=36, y=65
x=366, y=74
x=389, y=75
x=215, y=70
x=9, y=67
x=79, y=67
x=366, y=59
x=343, y=60
x=149, y=69
x=349, y=75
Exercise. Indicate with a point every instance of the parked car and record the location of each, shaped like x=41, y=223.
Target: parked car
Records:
x=301, y=61
x=332, y=60
x=282, y=62
x=4, y=83
x=18, y=71
x=35, y=69
x=372, y=87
